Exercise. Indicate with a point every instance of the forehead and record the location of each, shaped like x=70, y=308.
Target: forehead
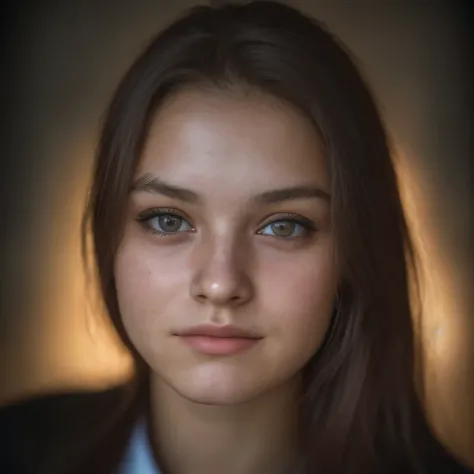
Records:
x=226, y=138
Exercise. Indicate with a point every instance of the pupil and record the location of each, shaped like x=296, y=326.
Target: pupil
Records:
x=283, y=228
x=170, y=223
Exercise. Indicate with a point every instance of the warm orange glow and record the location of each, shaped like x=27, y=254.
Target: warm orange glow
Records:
x=79, y=348
x=444, y=315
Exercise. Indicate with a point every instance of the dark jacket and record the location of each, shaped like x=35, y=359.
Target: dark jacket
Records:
x=46, y=434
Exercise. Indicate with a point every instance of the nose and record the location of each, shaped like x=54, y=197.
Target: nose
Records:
x=220, y=277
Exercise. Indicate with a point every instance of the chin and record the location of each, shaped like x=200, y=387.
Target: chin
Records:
x=212, y=399
x=217, y=387
x=216, y=395
x=211, y=396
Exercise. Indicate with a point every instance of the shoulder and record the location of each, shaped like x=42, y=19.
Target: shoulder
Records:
x=451, y=467
x=34, y=430
x=445, y=462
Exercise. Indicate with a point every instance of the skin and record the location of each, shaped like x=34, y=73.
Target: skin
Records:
x=227, y=262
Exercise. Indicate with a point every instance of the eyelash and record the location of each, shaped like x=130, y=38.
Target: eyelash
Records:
x=308, y=226
x=145, y=217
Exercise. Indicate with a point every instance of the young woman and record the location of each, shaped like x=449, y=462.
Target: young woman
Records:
x=254, y=256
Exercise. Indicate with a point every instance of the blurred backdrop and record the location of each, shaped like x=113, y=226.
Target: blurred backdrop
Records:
x=63, y=60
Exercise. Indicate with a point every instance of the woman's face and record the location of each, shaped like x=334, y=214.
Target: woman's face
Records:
x=228, y=234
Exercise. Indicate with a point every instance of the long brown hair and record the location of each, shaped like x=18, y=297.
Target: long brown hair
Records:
x=360, y=412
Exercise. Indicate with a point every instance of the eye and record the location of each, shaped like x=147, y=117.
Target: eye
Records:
x=288, y=228
x=164, y=223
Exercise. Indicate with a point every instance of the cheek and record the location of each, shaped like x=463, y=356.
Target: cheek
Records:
x=299, y=292
x=149, y=285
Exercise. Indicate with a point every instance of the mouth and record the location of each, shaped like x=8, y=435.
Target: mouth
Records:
x=218, y=340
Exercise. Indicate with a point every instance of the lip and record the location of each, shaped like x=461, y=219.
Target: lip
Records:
x=218, y=340
x=213, y=330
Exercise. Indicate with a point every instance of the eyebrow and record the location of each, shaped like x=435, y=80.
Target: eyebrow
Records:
x=292, y=193
x=152, y=184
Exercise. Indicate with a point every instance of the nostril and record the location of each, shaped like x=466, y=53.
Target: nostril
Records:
x=201, y=297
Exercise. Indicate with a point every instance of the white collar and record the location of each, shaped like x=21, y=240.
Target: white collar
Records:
x=138, y=458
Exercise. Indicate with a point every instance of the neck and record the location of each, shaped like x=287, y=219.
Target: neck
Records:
x=258, y=436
